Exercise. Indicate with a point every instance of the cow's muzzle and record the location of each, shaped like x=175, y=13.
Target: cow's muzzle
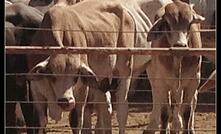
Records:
x=67, y=104
x=180, y=45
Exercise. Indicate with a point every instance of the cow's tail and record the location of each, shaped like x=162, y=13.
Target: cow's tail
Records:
x=51, y=21
x=209, y=84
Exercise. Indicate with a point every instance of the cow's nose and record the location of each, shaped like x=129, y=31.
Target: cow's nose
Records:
x=180, y=45
x=66, y=103
x=65, y=100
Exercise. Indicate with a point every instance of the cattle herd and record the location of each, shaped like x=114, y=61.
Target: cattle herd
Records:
x=55, y=83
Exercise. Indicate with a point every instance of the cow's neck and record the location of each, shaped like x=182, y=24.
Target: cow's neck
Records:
x=172, y=62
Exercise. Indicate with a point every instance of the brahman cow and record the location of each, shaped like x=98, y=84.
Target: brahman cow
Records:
x=100, y=16
x=207, y=8
x=18, y=15
x=174, y=87
x=75, y=114
x=111, y=16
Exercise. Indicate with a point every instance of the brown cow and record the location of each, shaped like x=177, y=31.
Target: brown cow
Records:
x=174, y=87
x=111, y=16
x=207, y=8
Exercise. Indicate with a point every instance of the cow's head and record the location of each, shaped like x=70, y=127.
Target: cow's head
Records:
x=174, y=24
x=64, y=72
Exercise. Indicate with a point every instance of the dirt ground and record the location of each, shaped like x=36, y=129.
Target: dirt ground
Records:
x=205, y=123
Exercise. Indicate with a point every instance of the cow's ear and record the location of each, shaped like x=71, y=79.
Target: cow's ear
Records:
x=88, y=77
x=196, y=17
x=37, y=71
x=155, y=32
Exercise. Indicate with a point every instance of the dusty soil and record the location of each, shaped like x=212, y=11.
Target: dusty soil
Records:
x=205, y=123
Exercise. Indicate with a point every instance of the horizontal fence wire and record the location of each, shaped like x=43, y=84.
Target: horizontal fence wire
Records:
x=113, y=128
x=206, y=42
x=108, y=50
x=113, y=103
x=100, y=31
x=103, y=76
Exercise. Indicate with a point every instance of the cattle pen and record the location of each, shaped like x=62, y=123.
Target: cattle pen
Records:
x=140, y=104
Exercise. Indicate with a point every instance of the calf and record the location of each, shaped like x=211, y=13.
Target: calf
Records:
x=174, y=79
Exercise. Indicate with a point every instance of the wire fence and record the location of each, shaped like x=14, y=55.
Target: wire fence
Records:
x=106, y=50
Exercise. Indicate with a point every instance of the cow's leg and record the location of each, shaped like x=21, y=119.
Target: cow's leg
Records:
x=20, y=122
x=31, y=116
x=124, y=67
x=122, y=104
x=187, y=110
x=103, y=125
x=177, y=100
x=39, y=110
x=40, y=122
x=161, y=109
x=27, y=108
x=82, y=112
x=75, y=120
x=10, y=118
x=10, y=107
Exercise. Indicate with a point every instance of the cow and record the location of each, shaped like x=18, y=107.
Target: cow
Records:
x=19, y=15
x=10, y=108
x=207, y=8
x=112, y=16
x=22, y=15
x=14, y=116
x=174, y=88
x=73, y=17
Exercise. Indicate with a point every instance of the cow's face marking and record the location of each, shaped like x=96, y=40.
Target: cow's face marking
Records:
x=175, y=24
x=64, y=75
